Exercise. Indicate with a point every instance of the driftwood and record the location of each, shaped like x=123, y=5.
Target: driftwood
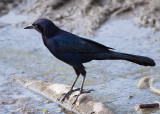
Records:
x=147, y=82
x=154, y=105
x=85, y=104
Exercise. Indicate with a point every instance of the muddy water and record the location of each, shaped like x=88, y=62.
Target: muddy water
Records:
x=22, y=53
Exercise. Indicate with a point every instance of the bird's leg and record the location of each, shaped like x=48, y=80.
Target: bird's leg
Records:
x=81, y=91
x=71, y=90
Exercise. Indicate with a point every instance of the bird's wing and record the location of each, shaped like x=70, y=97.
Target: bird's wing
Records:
x=80, y=45
x=96, y=43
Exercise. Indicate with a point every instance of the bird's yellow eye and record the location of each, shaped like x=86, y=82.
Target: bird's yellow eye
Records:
x=35, y=26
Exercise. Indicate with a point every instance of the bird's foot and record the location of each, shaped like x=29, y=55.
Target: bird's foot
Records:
x=66, y=95
x=81, y=92
x=87, y=91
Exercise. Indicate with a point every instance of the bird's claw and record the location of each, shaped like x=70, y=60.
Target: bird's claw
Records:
x=84, y=91
x=81, y=92
x=66, y=95
x=88, y=91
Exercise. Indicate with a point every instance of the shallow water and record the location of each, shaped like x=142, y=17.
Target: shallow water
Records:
x=22, y=53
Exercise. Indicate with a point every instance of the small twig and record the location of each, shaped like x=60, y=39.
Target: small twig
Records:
x=154, y=105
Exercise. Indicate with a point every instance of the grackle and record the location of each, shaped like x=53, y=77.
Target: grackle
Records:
x=75, y=51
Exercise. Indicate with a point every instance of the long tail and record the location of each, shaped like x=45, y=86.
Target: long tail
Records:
x=141, y=60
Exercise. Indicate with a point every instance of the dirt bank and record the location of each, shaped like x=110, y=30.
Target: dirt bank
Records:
x=150, y=15
x=85, y=16
x=7, y=5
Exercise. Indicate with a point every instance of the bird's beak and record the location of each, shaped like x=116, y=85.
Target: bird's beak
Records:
x=29, y=27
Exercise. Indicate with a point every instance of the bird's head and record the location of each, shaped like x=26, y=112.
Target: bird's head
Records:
x=44, y=26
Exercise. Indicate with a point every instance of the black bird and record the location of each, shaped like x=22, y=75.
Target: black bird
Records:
x=75, y=50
